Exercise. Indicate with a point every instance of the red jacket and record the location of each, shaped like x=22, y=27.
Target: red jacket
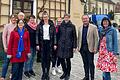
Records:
x=13, y=46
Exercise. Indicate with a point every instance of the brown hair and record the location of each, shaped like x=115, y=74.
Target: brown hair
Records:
x=105, y=19
x=16, y=28
x=13, y=16
x=44, y=13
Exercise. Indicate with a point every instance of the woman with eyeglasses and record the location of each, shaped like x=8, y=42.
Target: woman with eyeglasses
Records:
x=108, y=49
x=18, y=49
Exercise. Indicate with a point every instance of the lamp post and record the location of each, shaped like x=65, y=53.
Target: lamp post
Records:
x=85, y=6
x=69, y=6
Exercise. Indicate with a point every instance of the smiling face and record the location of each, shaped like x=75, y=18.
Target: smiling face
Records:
x=85, y=20
x=20, y=24
x=32, y=20
x=21, y=17
x=13, y=20
x=66, y=18
x=59, y=21
x=45, y=18
x=105, y=23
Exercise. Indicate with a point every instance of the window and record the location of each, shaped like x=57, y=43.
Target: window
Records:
x=55, y=8
x=25, y=6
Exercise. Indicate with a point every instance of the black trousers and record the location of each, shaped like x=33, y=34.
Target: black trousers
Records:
x=45, y=57
x=66, y=65
x=38, y=57
x=17, y=70
x=88, y=61
x=55, y=59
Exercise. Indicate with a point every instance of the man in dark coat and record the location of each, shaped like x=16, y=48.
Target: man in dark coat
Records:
x=67, y=43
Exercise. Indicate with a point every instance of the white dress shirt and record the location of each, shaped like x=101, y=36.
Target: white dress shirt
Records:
x=46, y=35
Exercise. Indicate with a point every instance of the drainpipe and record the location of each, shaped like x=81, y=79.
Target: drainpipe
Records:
x=69, y=6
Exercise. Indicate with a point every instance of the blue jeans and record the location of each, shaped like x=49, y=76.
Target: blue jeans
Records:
x=17, y=70
x=5, y=65
x=29, y=64
x=106, y=76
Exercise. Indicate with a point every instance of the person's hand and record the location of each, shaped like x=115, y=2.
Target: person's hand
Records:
x=55, y=47
x=78, y=49
x=5, y=50
x=38, y=48
x=95, y=51
x=29, y=55
x=74, y=50
x=9, y=56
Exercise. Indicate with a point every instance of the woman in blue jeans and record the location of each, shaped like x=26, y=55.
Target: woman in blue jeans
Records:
x=8, y=28
x=31, y=27
x=108, y=49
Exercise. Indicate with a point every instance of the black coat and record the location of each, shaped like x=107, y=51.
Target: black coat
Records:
x=39, y=35
x=32, y=33
x=67, y=40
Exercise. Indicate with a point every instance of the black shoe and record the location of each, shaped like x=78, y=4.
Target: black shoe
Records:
x=92, y=78
x=85, y=78
x=32, y=73
x=63, y=76
x=47, y=77
x=67, y=77
x=43, y=77
x=26, y=74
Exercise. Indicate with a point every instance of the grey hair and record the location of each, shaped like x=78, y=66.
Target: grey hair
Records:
x=66, y=14
x=21, y=13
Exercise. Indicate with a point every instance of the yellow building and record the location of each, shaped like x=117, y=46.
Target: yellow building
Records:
x=100, y=6
x=55, y=8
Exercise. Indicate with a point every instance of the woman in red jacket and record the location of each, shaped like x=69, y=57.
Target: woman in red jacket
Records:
x=18, y=49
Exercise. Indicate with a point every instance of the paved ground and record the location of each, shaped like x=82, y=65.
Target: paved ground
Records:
x=77, y=72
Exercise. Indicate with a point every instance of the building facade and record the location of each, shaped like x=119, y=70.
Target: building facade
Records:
x=117, y=13
x=100, y=6
x=55, y=8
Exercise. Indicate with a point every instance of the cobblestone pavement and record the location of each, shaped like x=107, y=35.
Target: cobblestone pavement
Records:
x=77, y=72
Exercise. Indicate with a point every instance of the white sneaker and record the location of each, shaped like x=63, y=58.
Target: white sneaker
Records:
x=59, y=69
x=53, y=71
x=10, y=76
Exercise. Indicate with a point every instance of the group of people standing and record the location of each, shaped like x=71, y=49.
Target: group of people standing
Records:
x=19, y=46
x=58, y=43
x=104, y=42
x=22, y=39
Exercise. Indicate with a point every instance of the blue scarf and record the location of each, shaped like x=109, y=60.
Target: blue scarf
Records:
x=20, y=44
